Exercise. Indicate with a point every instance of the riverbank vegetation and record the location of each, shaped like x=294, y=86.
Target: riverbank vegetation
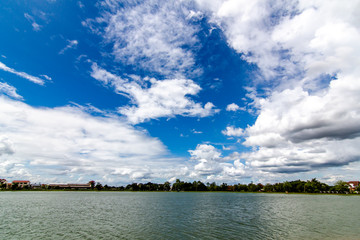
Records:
x=298, y=186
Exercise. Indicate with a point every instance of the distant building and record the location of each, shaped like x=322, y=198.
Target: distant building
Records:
x=4, y=183
x=353, y=185
x=79, y=185
x=57, y=185
x=70, y=186
x=36, y=186
x=21, y=183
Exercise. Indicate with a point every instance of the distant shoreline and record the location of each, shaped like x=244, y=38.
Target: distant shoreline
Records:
x=129, y=191
x=312, y=186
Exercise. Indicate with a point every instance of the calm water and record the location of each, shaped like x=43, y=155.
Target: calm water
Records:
x=133, y=215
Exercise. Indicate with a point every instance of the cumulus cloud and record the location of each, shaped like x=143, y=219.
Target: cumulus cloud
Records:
x=233, y=132
x=311, y=130
x=9, y=91
x=304, y=157
x=66, y=143
x=29, y=77
x=5, y=146
x=327, y=37
x=311, y=50
x=248, y=27
x=72, y=44
x=290, y=39
x=153, y=36
x=212, y=166
x=164, y=98
x=232, y=107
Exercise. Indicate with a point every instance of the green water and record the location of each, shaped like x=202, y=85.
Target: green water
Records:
x=141, y=215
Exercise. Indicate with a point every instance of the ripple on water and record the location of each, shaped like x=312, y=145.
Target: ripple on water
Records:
x=131, y=215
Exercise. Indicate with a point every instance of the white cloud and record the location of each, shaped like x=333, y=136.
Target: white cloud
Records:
x=248, y=26
x=165, y=98
x=5, y=146
x=31, y=78
x=311, y=50
x=327, y=37
x=233, y=132
x=205, y=151
x=232, y=107
x=306, y=156
x=153, y=36
x=208, y=159
x=332, y=179
x=211, y=166
x=64, y=144
x=226, y=148
x=310, y=130
x=72, y=44
x=196, y=132
x=36, y=27
x=9, y=91
x=297, y=130
x=46, y=77
x=288, y=39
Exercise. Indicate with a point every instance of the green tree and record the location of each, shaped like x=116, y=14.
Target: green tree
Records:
x=297, y=186
x=92, y=184
x=341, y=186
x=201, y=186
x=195, y=186
x=278, y=187
x=15, y=186
x=98, y=186
x=252, y=187
x=241, y=187
x=178, y=185
x=167, y=186
x=324, y=187
x=287, y=186
x=187, y=186
x=213, y=187
x=223, y=187
x=268, y=187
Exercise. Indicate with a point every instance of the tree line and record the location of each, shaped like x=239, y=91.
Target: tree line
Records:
x=298, y=186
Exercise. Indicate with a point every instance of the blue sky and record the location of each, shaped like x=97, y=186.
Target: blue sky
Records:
x=136, y=91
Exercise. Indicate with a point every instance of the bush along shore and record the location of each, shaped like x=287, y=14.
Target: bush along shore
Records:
x=298, y=186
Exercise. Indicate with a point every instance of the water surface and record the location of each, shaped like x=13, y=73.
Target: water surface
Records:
x=151, y=215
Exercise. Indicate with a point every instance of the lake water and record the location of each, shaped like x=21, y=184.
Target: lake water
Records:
x=151, y=215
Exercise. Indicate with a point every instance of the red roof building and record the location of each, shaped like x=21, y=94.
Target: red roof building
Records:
x=353, y=185
x=21, y=183
x=70, y=186
x=4, y=183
